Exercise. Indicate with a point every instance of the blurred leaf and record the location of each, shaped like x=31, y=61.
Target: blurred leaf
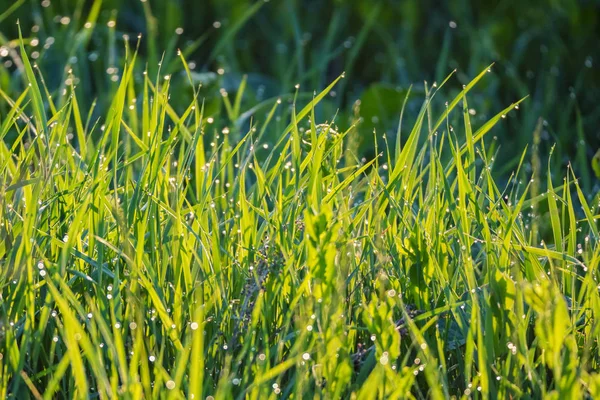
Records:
x=596, y=164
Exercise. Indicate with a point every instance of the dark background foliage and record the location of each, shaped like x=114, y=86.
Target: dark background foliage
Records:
x=549, y=50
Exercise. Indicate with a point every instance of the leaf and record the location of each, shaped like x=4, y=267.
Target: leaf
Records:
x=596, y=163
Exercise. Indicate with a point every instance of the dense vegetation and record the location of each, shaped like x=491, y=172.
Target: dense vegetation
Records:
x=167, y=231
x=545, y=49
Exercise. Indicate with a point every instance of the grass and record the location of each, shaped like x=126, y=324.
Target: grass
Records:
x=384, y=49
x=171, y=252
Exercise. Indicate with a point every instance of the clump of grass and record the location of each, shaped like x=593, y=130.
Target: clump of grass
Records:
x=161, y=253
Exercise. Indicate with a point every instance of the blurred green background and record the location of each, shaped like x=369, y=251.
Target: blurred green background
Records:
x=549, y=50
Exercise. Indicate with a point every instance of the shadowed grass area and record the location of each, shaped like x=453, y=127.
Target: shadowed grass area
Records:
x=170, y=252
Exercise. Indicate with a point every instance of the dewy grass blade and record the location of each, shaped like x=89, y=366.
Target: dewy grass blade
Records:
x=36, y=95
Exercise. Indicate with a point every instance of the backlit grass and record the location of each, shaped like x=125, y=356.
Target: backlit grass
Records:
x=178, y=254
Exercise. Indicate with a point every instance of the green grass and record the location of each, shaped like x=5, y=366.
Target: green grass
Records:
x=547, y=50
x=164, y=251
x=160, y=256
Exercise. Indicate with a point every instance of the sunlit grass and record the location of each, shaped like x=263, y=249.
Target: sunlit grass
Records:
x=158, y=252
